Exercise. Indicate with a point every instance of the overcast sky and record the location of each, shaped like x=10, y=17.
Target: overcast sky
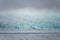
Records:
x=13, y=4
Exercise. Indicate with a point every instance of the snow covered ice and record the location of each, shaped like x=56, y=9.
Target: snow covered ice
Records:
x=30, y=19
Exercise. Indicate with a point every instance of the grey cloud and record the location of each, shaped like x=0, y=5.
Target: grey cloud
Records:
x=7, y=4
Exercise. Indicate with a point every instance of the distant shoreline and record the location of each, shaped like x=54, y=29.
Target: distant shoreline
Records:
x=31, y=32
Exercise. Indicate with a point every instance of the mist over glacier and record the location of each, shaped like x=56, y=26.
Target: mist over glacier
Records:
x=30, y=19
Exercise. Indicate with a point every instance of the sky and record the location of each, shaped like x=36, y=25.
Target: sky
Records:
x=14, y=4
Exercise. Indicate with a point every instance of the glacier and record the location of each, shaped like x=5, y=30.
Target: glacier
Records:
x=30, y=19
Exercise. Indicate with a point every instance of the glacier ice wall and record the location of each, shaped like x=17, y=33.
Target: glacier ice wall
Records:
x=30, y=19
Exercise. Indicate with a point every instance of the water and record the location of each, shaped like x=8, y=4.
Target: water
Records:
x=27, y=20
